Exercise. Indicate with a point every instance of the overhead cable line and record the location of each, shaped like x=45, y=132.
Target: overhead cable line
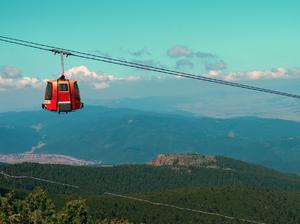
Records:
x=126, y=63
x=183, y=208
x=24, y=44
x=37, y=179
x=135, y=199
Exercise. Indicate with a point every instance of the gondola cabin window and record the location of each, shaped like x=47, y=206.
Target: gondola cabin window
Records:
x=77, y=94
x=48, y=93
x=63, y=87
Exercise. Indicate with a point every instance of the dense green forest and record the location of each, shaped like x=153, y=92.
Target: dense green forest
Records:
x=250, y=203
x=38, y=208
x=232, y=187
x=141, y=178
x=240, y=202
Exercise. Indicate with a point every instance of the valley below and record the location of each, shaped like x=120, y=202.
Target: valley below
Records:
x=125, y=136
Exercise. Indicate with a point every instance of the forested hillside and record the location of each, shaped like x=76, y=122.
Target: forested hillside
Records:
x=266, y=206
x=238, y=203
x=38, y=208
x=140, y=178
x=212, y=184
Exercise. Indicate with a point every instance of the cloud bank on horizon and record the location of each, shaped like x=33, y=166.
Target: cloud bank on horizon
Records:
x=182, y=57
x=216, y=67
x=11, y=78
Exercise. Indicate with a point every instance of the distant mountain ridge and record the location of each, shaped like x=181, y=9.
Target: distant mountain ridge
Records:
x=118, y=136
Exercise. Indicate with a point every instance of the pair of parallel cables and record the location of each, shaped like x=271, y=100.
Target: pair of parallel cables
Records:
x=126, y=63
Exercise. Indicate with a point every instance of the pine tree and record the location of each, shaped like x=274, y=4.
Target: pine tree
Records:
x=75, y=212
x=9, y=210
x=37, y=208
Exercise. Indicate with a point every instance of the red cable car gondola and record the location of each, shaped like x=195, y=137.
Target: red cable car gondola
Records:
x=62, y=95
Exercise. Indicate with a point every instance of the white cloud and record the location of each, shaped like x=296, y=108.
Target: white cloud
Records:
x=179, y=51
x=295, y=72
x=11, y=78
x=214, y=73
x=275, y=74
x=102, y=81
x=20, y=83
x=278, y=73
x=133, y=78
x=201, y=54
x=101, y=85
x=94, y=79
x=231, y=76
x=10, y=72
x=208, y=60
x=82, y=73
x=183, y=63
x=30, y=82
x=138, y=53
x=214, y=64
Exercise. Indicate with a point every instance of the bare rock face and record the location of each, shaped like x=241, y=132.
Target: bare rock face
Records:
x=184, y=160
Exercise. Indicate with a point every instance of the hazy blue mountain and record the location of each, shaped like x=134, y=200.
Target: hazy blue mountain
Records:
x=132, y=136
x=165, y=104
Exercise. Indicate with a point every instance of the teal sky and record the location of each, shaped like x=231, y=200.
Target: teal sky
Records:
x=243, y=35
x=247, y=35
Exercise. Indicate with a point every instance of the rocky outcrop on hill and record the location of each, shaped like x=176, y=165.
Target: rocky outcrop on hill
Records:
x=184, y=160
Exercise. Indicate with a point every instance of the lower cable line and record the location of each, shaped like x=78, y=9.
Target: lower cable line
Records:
x=183, y=208
x=136, y=199
x=38, y=179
